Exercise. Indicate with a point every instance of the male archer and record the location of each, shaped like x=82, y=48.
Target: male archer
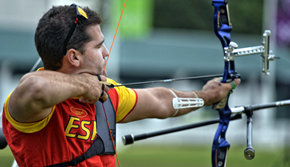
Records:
x=54, y=116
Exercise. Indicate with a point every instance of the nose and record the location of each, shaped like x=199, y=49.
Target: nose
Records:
x=106, y=55
x=105, y=52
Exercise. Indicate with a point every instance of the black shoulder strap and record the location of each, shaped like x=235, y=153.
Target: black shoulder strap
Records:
x=97, y=148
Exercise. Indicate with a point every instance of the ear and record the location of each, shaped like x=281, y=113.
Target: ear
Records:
x=73, y=57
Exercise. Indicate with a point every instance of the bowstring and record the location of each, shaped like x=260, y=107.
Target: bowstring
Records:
x=117, y=157
x=115, y=35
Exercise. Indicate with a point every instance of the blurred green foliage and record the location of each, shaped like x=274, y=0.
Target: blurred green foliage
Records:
x=246, y=15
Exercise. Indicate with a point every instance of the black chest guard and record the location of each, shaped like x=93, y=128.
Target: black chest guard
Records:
x=103, y=143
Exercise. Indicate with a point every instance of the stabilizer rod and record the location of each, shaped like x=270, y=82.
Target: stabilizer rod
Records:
x=130, y=139
x=238, y=111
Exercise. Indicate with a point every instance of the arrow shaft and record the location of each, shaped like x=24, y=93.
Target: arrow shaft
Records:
x=164, y=80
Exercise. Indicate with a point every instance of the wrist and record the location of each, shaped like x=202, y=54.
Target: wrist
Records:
x=202, y=95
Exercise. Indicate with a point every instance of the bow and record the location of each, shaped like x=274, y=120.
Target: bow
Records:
x=222, y=29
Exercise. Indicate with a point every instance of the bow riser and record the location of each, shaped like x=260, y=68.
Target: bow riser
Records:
x=222, y=29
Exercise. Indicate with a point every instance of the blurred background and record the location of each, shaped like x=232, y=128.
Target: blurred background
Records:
x=160, y=39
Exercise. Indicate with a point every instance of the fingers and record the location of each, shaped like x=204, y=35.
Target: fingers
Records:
x=104, y=98
x=217, y=79
x=216, y=91
x=105, y=89
x=103, y=81
x=230, y=86
x=85, y=100
x=234, y=84
x=96, y=90
x=237, y=81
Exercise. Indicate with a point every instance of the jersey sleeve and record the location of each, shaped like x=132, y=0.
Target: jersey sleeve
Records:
x=124, y=100
x=26, y=127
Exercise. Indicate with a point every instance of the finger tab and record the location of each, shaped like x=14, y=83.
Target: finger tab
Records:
x=103, y=89
x=99, y=77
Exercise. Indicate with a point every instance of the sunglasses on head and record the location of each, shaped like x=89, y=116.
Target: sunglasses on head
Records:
x=80, y=14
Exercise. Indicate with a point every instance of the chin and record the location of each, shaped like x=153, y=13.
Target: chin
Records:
x=104, y=73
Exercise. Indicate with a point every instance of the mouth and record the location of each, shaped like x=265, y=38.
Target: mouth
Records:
x=104, y=69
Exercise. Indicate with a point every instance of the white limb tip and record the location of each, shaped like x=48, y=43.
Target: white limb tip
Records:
x=181, y=103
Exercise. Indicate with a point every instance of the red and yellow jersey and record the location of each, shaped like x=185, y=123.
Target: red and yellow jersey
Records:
x=66, y=133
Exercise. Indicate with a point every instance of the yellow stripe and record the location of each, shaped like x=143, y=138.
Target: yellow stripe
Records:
x=26, y=127
x=82, y=12
x=40, y=69
x=127, y=100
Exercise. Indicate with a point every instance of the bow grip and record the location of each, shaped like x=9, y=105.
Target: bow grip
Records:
x=221, y=104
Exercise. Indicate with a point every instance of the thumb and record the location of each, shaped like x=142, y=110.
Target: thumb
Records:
x=237, y=81
x=85, y=100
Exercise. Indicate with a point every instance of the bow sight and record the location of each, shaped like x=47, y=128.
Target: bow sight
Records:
x=267, y=55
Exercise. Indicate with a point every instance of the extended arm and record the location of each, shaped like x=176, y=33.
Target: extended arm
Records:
x=157, y=102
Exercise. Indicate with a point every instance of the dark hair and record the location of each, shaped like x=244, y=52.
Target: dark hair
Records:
x=53, y=29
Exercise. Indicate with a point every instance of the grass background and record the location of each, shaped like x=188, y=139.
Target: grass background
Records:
x=183, y=156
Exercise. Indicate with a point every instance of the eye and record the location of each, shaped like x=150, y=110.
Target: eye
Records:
x=100, y=45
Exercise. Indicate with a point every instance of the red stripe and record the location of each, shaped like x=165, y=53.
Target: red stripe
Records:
x=132, y=107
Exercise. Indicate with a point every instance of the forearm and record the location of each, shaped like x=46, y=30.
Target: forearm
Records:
x=191, y=94
x=39, y=91
x=212, y=92
x=48, y=88
x=157, y=103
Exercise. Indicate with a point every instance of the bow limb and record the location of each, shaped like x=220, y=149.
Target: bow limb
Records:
x=222, y=28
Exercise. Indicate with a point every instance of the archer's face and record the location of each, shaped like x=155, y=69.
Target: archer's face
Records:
x=95, y=52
